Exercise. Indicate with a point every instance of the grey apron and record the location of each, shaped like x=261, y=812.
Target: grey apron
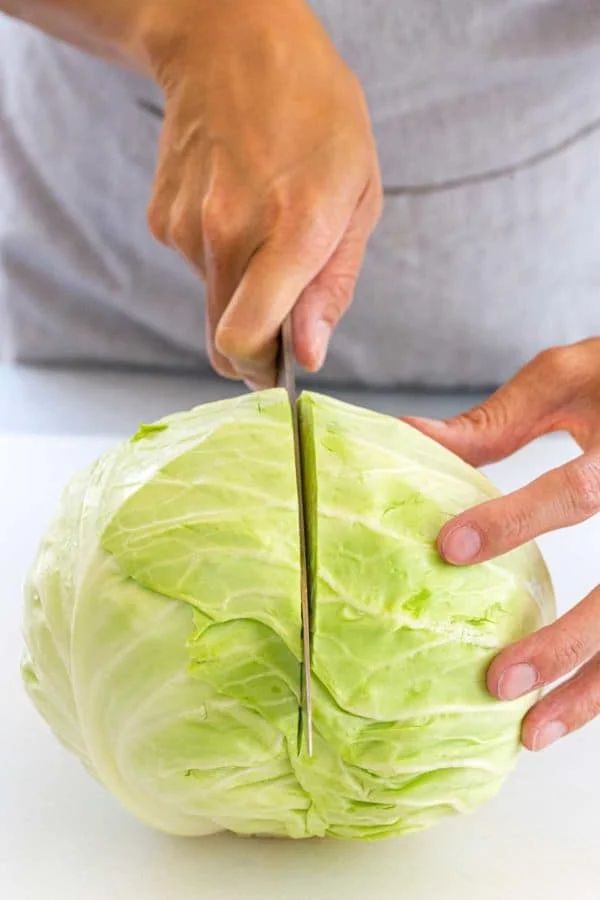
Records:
x=487, y=116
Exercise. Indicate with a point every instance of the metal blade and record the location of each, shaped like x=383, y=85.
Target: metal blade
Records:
x=287, y=379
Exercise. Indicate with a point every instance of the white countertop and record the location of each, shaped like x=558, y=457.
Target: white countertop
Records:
x=63, y=837
x=51, y=401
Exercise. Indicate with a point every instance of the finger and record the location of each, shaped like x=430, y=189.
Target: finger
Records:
x=323, y=303
x=229, y=243
x=175, y=218
x=530, y=404
x=565, y=709
x=219, y=363
x=276, y=276
x=215, y=263
x=165, y=185
x=548, y=654
x=559, y=498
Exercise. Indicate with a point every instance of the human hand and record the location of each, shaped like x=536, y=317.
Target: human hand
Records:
x=557, y=391
x=268, y=179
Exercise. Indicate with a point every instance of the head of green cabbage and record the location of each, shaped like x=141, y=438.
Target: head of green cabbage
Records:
x=163, y=625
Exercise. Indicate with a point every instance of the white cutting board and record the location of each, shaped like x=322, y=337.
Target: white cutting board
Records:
x=62, y=837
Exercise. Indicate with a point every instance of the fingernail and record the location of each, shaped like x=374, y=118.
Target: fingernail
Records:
x=516, y=681
x=430, y=423
x=461, y=545
x=548, y=734
x=321, y=336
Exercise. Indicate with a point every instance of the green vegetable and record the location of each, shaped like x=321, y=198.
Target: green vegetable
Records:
x=162, y=624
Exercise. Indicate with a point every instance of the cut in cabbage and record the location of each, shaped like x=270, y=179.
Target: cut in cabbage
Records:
x=163, y=625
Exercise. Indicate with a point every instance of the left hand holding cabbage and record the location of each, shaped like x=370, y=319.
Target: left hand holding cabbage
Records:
x=557, y=391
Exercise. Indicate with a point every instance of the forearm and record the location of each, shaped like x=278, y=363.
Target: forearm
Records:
x=150, y=36
x=110, y=28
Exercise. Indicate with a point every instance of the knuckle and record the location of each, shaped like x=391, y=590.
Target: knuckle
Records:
x=340, y=289
x=178, y=235
x=562, y=362
x=185, y=234
x=218, y=224
x=567, y=654
x=550, y=359
x=316, y=234
x=312, y=222
x=332, y=312
x=157, y=221
x=512, y=522
x=590, y=349
x=488, y=416
x=236, y=343
x=583, y=486
x=221, y=365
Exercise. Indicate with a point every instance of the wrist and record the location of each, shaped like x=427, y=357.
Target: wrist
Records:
x=167, y=36
x=107, y=28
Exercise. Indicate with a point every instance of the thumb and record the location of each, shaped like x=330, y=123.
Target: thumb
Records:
x=521, y=410
x=484, y=434
x=275, y=277
x=247, y=334
x=323, y=303
x=325, y=300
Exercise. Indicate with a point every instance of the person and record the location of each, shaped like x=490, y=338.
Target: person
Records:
x=269, y=184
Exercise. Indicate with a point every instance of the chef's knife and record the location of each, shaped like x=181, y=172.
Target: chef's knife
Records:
x=287, y=379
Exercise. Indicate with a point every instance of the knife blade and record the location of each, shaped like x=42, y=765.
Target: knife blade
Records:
x=286, y=377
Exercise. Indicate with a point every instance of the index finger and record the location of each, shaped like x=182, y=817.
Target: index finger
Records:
x=559, y=498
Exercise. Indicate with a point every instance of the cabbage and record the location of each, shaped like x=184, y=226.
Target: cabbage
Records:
x=163, y=631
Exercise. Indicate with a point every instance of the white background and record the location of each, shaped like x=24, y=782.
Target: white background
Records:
x=63, y=837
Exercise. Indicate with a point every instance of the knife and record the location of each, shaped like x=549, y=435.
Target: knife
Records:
x=286, y=378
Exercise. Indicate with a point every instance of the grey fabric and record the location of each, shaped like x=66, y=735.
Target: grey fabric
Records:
x=487, y=116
